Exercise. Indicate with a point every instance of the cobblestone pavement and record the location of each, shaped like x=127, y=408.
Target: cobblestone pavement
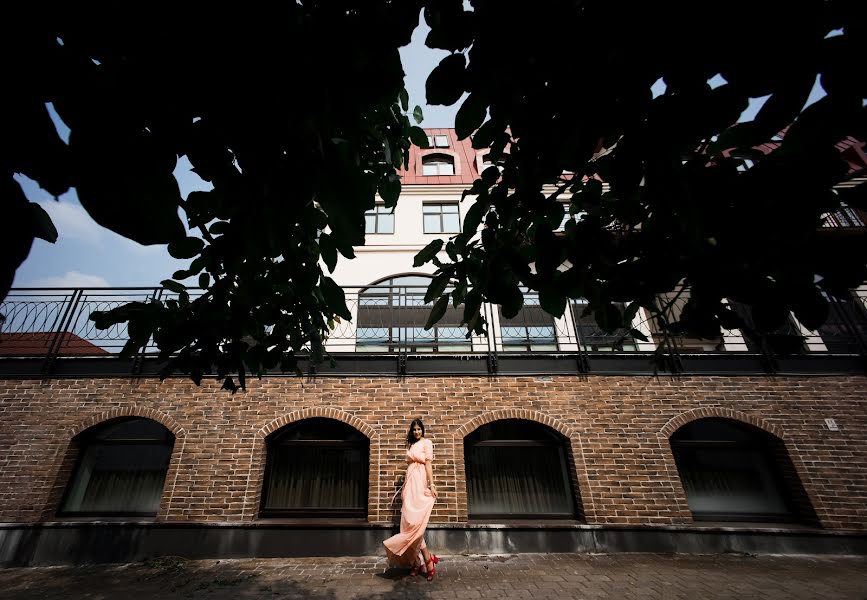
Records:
x=535, y=576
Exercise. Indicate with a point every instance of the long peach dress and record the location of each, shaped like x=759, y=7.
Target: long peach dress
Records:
x=404, y=549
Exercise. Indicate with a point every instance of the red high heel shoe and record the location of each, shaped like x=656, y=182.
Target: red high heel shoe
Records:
x=433, y=570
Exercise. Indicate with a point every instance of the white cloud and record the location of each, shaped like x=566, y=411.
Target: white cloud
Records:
x=70, y=279
x=73, y=222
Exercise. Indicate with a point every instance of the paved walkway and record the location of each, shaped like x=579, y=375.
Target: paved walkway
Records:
x=533, y=576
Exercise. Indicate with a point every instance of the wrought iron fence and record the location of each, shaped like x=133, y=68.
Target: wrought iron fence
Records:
x=390, y=319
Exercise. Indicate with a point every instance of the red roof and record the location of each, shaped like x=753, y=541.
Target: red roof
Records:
x=38, y=343
x=466, y=170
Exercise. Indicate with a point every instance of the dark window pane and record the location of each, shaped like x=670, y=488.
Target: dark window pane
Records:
x=517, y=480
x=314, y=478
x=386, y=223
x=432, y=224
x=118, y=478
x=451, y=223
x=731, y=471
x=726, y=481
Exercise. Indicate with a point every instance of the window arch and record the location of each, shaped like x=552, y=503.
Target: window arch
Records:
x=437, y=164
x=392, y=315
x=121, y=469
x=316, y=467
x=732, y=471
x=517, y=469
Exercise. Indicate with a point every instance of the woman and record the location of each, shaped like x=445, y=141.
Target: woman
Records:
x=419, y=495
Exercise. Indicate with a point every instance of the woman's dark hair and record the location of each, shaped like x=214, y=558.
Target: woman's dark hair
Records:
x=410, y=438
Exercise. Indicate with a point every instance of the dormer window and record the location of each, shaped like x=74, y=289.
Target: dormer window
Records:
x=438, y=141
x=437, y=164
x=486, y=161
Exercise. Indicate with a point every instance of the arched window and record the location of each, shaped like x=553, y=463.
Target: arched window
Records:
x=437, y=164
x=316, y=467
x=731, y=471
x=517, y=469
x=392, y=315
x=121, y=469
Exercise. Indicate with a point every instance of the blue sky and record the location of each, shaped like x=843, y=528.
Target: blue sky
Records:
x=87, y=255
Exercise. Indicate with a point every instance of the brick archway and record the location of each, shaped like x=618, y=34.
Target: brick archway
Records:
x=259, y=456
x=716, y=412
x=513, y=413
x=309, y=413
x=128, y=411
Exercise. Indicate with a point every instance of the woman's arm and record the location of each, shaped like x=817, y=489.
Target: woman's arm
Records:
x=428, y=459
x=430, y=481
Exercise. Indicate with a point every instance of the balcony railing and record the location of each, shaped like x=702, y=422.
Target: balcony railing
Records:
x=45, y=327
x=844, y=218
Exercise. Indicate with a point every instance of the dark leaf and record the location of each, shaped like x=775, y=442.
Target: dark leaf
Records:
x=173, y=286
x=328, y=251
x=811, y=309
x=204, y=280
x=445, y=84
x=417, y=114
x=186, y=248
x=608, y=317
x=125, y=183
x=389, y=191
x=43, y=228
x=437, y=312
x=512, y=301
x=437, y=286
x=486, y=134
x=334, y=297
x=470, y=115
x=473, y=218
x=638, y=335
x=553, y=300
x=418, y=137
x=404, y=100
x=427, y=253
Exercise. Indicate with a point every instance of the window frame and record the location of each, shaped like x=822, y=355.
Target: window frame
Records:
x=362, y=445
x=375, y=212
x=552, y=439
x=433, y=141
x=438, y=159
x=88, y=439
x=440, y=214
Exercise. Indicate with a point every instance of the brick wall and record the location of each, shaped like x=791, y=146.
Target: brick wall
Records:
x=618, y=429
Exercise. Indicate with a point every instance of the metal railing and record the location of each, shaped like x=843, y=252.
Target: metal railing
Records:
x=845, y=217
x=47, y=324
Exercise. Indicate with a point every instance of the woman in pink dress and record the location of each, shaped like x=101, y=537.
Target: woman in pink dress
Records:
x=407, y=548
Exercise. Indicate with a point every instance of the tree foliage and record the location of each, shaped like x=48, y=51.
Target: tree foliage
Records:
x=296, y=114
x=561, y=86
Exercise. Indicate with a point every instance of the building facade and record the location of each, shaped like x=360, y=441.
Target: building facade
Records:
x=549, y=434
